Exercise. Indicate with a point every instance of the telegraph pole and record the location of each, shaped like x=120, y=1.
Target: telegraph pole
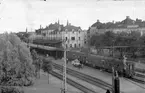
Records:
x=64, y=90
x=64, y=80
x=113, y=79
x=115, y=82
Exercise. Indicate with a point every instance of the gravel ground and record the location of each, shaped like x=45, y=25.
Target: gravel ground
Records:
x=88, y=85
x=41, y=85
x=126, y=85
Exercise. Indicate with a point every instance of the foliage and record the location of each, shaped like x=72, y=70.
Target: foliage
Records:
x=47, y=65
x=16, y=67
x=10, y=89
x=37, y=61
x=23, y=36
x=109, y=38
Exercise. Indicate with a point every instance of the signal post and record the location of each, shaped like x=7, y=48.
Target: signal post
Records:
x=115, y=82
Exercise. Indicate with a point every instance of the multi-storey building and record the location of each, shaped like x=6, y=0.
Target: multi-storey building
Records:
x=73, y=36
x=128, y=25
x=51, y=32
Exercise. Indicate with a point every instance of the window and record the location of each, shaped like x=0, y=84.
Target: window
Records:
x=65, y=38
x=72, y=38
x=79, y=38
x=85, y=42
x=75, y=45
x=79, y=45
x=70, y=45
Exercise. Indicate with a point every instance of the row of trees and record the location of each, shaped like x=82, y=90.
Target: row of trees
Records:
x=41, y=62
x=18, y=66
x=133, y=39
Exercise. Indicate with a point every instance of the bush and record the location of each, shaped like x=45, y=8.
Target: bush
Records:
x=10, y=89
x=47, y=65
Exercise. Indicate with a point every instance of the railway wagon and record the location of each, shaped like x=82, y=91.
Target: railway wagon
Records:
x=101, y=62
x=105, y=63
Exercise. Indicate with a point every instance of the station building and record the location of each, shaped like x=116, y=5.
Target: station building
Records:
x=74, y=37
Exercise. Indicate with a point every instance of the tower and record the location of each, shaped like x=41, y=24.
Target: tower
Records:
x=40, y=26
x=58, y=21
x=26, y=30
x=67, y=23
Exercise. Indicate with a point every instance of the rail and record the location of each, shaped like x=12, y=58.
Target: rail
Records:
x=73, y=83
x=87, y=78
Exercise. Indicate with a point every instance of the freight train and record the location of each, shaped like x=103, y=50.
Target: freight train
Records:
x=100, y=62
x=105, y=63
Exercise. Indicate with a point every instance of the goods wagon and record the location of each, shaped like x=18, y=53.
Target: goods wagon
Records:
x=105, y=63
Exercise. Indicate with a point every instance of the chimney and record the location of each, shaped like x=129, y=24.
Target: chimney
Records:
x=26, y=30
x=67, y=23
x=127, y=17
x=58, y=21
x=40, y=26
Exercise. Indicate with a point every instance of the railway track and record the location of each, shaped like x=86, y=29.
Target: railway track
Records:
x=73, y=83
x=87, y=78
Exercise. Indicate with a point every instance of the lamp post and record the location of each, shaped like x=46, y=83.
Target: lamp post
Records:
x=113, y=49
x=113, y=79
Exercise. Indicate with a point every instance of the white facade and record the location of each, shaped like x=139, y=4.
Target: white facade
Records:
x=55, y=36
x=74, y=36
x=75, y=39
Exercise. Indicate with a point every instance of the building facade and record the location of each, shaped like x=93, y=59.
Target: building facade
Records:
x=127, y=25
x=73, y=36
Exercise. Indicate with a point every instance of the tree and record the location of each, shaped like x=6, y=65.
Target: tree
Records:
x=47, y=66
x=109, y=38
x=37, y=62
x=16, y=67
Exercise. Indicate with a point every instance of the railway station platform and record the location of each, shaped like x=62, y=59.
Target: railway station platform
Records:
x=55, y=85
x=126, y=85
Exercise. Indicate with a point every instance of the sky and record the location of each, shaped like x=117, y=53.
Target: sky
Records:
x=16, y=15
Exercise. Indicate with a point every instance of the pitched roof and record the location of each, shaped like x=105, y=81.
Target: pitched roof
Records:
x=127, y=22
x=55, y=26
x=71, y=27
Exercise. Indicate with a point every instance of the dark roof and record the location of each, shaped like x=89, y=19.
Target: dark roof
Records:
x=54, y=26
x=45, y=41
x=71, y=27
x=121, y=24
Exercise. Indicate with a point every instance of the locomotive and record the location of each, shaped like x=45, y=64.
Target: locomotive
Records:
x=105, y=63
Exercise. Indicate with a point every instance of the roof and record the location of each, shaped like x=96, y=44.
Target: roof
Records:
x=71, y=27
x=127, y=22
x=44, y=41
x=54, y=26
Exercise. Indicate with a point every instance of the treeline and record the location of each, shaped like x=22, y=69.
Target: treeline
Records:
x=134, y=40
x=18, y=66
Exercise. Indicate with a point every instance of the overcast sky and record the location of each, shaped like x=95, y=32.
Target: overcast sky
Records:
x=16, y=15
